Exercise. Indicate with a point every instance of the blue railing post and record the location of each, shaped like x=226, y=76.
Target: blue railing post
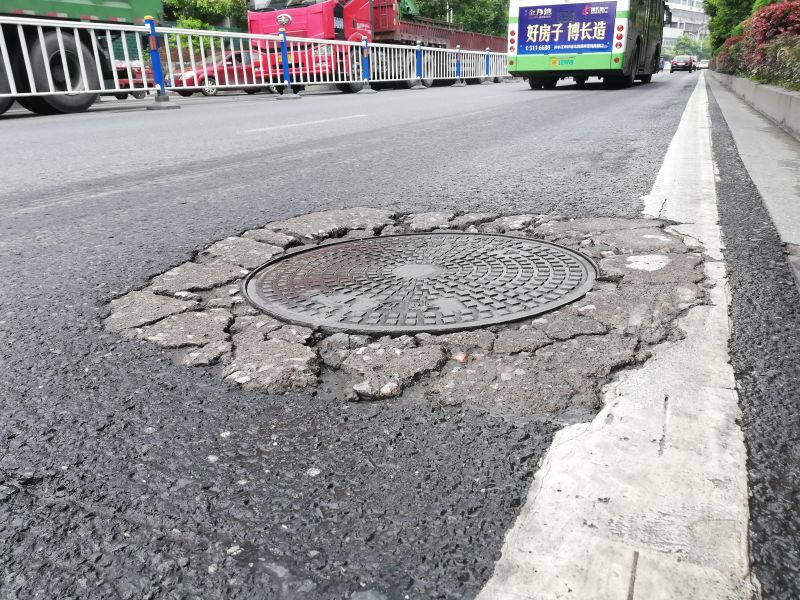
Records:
x=418, y=85
x=488, y=58
x=155, y=61
x=459, y=80
x=365, y=66
x=288, y=93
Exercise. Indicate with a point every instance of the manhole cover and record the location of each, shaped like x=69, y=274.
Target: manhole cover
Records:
x=419, y=283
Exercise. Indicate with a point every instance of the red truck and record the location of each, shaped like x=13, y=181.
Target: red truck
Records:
x=380, y=21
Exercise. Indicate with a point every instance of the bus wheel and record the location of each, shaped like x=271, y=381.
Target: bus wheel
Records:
x=535, y=83
x=580, y=81
x=47, y=48
x=628, y=80
x=550, y=83
x=646, y=78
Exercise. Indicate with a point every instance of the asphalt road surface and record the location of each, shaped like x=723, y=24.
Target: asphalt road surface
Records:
x=106, y=489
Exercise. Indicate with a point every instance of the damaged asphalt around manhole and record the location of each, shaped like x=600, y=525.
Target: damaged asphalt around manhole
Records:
x=367, y=485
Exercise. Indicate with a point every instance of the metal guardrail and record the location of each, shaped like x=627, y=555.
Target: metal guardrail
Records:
x=63, y=65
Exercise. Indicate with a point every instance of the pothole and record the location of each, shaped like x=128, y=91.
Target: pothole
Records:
x=380, y=318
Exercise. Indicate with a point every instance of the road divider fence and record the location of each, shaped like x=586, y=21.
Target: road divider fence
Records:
x=62, y=66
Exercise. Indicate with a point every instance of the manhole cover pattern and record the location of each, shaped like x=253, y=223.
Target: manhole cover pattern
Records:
x=419, y=283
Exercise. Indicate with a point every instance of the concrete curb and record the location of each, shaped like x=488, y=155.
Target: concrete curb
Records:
x=778, y=105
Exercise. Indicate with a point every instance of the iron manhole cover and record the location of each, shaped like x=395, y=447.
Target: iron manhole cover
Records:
x=435, y=282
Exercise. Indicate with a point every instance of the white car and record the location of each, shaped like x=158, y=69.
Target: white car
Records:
x=703, y=64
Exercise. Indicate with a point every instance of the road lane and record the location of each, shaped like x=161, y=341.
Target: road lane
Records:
x=109, y=441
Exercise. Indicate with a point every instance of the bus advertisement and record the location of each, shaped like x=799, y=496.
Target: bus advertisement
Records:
x=617, y=40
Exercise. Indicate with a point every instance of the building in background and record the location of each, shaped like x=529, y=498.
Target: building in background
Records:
x=687, y=17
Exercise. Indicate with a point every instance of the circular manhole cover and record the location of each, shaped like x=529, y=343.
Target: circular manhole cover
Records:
x=435, y=282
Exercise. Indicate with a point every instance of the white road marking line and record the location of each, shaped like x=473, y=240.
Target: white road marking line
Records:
x=304, y=124
x=654, y=489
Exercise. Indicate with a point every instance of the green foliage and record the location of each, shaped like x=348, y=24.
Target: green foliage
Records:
x=480, y=16
x=769, y=48
x=204, y=14
x=687, y=44
x=725, y=16
x=759, y=4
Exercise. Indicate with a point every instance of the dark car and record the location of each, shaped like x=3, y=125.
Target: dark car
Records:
x=682, y=62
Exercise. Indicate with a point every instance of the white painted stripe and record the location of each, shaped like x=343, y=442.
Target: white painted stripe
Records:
x=649, y=500
x=304, y=124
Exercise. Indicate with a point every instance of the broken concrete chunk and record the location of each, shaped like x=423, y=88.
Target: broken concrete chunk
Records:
x=292, y=333
x=193, y=276
x=142, y=308
x=244, y=252
x=462, y=341
x=271, y=237
x=557, y=229
x=189, y=329
x=261, y=323
x=563, y=325
x=507, y=224
x=380, y=364
x=654, y=268
x=276, y=366
x=206, y=355
x=524, y=339
x=429, y=221
x=334, y=349
x=471, y=219
x=334, y=222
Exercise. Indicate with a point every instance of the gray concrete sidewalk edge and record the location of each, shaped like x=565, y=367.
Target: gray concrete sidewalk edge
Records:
x=779, y=105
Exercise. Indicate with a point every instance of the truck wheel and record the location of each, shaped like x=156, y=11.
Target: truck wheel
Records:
x=350, y=88
x=5, y=88
x=535, y=83
x=74, y=102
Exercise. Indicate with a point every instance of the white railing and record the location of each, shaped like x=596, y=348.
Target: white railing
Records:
x=60, y=66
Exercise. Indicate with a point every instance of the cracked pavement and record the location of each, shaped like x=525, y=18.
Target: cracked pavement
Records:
x=126, y=473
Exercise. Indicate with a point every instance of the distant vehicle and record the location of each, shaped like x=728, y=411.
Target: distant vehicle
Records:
x=682, y=62
x=380, y=21
x=618, y=41
x=240, y=69
x=703, y=64
x=131, y=74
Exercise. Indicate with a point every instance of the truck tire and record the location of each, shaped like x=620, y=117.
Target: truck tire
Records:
x=71, y=103
x=536, y=83
x=5, y=88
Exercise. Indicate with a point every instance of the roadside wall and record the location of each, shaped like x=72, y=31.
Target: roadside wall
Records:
x=777, y=104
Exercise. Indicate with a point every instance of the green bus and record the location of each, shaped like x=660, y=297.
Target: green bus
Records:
x=617, y=40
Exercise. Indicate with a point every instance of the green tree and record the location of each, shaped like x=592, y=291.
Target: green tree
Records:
x=687, y=44
x=199, y=14
x=725, y=17
x=481, y=16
